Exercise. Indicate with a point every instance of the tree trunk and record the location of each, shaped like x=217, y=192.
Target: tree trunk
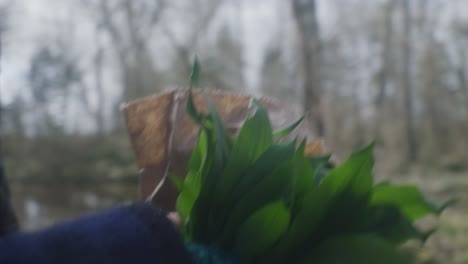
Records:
x=359, y=129
x=305, y=14
x=407, y=85
x=99, y=115
x=463, y=83
x=8, y=220
x=386, y=68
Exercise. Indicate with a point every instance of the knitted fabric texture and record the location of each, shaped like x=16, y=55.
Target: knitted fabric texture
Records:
x=138, y=233
x=208, y=255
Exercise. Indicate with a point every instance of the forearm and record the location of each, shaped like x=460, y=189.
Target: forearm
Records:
x=129, y=234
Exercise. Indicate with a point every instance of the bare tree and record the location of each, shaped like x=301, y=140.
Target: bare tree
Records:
x=223, y=65
x=8, y=220
x=98, y=69
x=202, y=17
x=130, y=26
x=305, y=14
x=52, y=73
x=274, y=75
x=386, y=70
x=407, y=83
x=461, y=68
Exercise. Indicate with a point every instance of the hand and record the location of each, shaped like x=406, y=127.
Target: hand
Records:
x=174, y=218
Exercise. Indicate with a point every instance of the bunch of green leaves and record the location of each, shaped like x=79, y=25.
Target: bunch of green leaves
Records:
x=261, y=198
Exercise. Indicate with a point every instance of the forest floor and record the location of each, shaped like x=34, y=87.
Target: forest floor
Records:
x=449, y=243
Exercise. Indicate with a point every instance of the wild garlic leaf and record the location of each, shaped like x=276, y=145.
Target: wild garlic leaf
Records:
x=342, y=194
x=179, y=184
x=219, y=146
x=266, y=200
x=192, y=111
x=222, y=142
x=271, y=187
x=199, y=153
x=321, y=166
x=406, y=197
x=222, y=145
x=188, y=196
x=354, y=175
x=254, y=137
x=390, y=223
x=243, y=154
x=281, y=133
x=355, y=249
x=275, y=155
x=270, y=184
x=302, y=174
x=307, y=220
x=195, y=77
x=193, y=181
x=200, y=208
x=190, y=107
x=262, y=229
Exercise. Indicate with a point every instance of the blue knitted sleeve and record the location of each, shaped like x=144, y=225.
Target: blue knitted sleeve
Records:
x=138, y=233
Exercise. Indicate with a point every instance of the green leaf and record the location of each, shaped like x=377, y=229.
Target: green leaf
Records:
x=195, y=79
x=177, y=182
x=199, y=153
x=355, y=249
x=302, y=174
x=389, y=222
x=263, y=183
x=188, y=196
x=199, y=164
x=271, y=187
x=222, y=145
x=192, y=111
x=321, y=166
x=343, y=194
x=219, y=146
x=222, y=142
x=274, y=205
x=353, y=176
x=200, y=216
x=406, y=197
x=274, y=155
x=254, y=137
x=307, y=220
x=193, y=181
x=262, y=229
x=279, y=134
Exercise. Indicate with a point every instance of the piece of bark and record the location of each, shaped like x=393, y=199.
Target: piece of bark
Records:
x=163, y=135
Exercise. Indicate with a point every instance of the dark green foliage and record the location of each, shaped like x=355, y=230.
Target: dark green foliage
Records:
x=287, y=130
x=354, y=249
x=266, y=202
x=263, y=228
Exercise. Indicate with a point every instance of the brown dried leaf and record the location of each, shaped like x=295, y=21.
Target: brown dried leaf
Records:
x=163, y=135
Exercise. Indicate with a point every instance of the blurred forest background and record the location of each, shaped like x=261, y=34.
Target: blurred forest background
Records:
x=391, y=70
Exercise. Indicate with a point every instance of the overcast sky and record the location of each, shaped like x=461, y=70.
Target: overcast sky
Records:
x=33, y=20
